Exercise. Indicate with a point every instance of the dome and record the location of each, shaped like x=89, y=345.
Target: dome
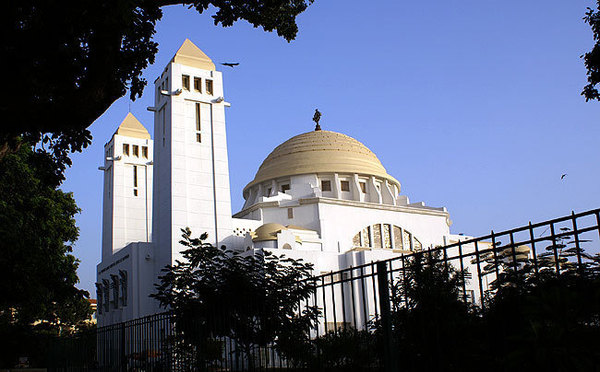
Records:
x=267, y=231
x=320, y=151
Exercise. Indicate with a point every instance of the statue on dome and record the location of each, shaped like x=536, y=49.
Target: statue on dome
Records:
x=316, y=119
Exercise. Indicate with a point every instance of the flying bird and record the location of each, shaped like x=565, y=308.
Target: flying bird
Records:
x=563, y=176
x=230, y=64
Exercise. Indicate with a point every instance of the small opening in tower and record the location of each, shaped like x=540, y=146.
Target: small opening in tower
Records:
x=363, y=187
x=135, y=150
x=325, y=185
x=198, y=84
x=185, y=82
x=345, y=185
x=285, y=187
x=198, y=137
x=145, y=152
x=125, y=149
x=209, y=87
x=290, y=213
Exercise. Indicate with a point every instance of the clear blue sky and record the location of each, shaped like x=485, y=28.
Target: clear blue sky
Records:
x=472, y=105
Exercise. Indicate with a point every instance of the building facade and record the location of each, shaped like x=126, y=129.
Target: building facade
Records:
x=321, y=196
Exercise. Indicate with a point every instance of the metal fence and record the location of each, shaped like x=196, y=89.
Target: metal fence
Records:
x=353, y=302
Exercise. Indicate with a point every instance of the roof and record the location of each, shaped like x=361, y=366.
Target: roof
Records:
x=190, y=55
x=131, y=127
x=267, y=231
x=320, y=151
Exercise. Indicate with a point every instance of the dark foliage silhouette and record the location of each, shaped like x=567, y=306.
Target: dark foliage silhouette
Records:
x=254, y=300
x=38, y=272
x=70, y=60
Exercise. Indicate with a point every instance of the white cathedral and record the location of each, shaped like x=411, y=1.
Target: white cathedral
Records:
x=321, y=196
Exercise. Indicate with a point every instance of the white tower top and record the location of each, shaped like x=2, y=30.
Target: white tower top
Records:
x=191, y=176
x=127, y=200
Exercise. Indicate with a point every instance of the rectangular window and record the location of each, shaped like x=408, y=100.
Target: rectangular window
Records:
x=290, y=212
x=268, y=192
x=285, y=187
x=123, y=279
x=209, y=87
x=363, y=187
x=185, y=82
x=145, y=152
x=198, y=85
x=134, y=176
x=325, y=185
x=135, y=150
x=345, y=185
x=125, y=149
x=198, y=117
x=198, y=123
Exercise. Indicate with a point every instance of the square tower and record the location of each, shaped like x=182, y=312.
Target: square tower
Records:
x=191, y=177
x=127, y=201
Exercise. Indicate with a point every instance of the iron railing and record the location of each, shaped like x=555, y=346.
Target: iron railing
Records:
x=359, y=298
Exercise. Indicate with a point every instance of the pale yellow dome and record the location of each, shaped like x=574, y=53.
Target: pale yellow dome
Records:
x=320, y=151
x=267, y=231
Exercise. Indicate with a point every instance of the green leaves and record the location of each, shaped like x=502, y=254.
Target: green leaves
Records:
x=254, y=299
x=38, y=273
x=70, y=60
x=591, y=59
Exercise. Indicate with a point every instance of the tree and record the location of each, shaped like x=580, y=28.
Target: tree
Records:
x=592, y=58
x=433, y=328
x=254, y=300
x=38, y=273
x=66, y=62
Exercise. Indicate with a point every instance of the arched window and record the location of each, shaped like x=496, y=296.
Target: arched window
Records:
x=287, y=246
x=386, y=236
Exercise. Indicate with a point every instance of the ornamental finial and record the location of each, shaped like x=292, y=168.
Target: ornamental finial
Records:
x=316, y=119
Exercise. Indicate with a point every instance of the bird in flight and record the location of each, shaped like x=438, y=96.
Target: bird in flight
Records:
x=230, y=64
x=563, y=176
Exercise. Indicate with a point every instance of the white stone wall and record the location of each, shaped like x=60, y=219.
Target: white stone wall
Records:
x=136, y=259
x=192, y=177
x=127, y=205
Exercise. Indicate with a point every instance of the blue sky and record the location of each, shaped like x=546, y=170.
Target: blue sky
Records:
x=472, y=105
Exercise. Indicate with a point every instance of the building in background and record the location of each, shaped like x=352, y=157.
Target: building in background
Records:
x=321, y=196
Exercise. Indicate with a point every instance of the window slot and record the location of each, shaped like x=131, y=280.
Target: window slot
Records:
x=135, y=150
x=209, y=87
x=363, y=187
x=345, y=185
x=198, y=85
x=285, y=187
x=325, y=185
x=290, y=212
x=185, y=82
x=125, y=149
x=198, y=123
x=135, y=181
x=145, y=152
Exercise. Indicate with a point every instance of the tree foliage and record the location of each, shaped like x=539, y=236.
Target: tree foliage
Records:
x=432, y=324
x=66, y=62
x=254, y=300
x=592, y=58
x=38, y=272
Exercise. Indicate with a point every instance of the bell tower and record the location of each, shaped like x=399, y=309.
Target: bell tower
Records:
x=127, y=199
x=191, y=176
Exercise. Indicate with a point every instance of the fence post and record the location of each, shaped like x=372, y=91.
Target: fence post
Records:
x=122, y=348
x=389, y=355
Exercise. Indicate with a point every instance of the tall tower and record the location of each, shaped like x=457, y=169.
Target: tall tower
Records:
x=191, y=177
x=127, y=201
